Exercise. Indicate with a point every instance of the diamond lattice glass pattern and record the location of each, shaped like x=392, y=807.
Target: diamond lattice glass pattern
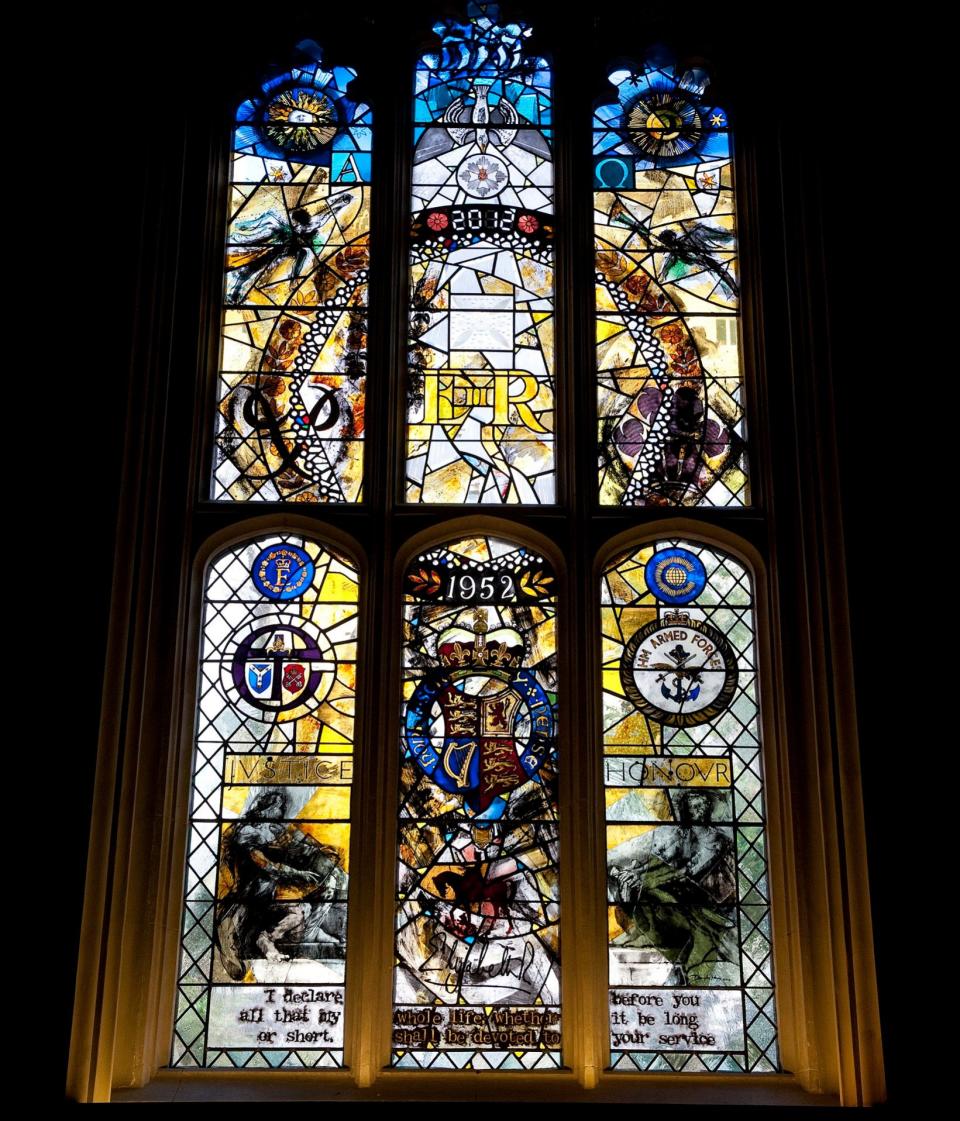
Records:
x=261, y=979
x=691, y=972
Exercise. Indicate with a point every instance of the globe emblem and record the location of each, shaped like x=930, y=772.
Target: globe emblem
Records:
x=675, y=576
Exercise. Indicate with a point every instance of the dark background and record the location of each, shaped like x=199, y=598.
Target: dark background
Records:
x=139, y=99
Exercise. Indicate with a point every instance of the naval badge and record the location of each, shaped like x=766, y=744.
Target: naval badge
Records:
x=679, y=671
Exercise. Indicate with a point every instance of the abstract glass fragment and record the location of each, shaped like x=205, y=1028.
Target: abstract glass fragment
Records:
x=477, y=981
x=261, y=974
x=670, y=392
x=290, y=413
x=690, y=958
x=480, y=393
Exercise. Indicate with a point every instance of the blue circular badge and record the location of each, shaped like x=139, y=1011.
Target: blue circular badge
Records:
x=283, y=571
x=675, y=575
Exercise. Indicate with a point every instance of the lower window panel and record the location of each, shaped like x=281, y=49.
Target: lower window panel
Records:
x=263, y=951
x=477, y=975
x=690, y=959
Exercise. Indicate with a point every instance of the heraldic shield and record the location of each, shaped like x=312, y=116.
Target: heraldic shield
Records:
x=280, y=668
x=477, y=917
x=479, y=725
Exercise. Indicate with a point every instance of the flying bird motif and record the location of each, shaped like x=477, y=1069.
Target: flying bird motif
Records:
x=261, y=243
x=482, y=124
x=693, y=249
x=488, y=124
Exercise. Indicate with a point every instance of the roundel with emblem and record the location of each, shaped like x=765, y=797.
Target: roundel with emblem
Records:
x=282, y=571
x=280, y=666
x=679, y=670
x=675, y=575
x=480, y=724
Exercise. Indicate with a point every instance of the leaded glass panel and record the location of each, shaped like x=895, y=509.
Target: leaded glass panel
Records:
x=290, y=413
x=261, y=975
x=670, y=392
x=480, y=406
x=690, y=956
x=477, y=976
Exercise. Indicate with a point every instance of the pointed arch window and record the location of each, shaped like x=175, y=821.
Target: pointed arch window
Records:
x=291, y=392
x=478, y=872
x=690, y=956
x=481, y=694
x=261, y=981
x=670, y=390
x=477, y=975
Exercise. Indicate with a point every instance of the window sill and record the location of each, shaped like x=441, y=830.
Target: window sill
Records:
x=654, y=1089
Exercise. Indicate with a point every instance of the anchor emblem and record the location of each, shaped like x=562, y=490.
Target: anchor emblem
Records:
x=679, y=671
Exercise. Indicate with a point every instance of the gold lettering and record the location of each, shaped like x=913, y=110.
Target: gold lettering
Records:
x=660, y=770
x=448, y=395
x=258, y=770
x=505, y=397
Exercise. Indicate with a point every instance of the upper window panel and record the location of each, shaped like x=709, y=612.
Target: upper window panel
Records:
x=290, y=394
x=670, y=391
x=480, y=400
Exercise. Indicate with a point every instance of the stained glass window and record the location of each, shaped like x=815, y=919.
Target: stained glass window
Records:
x=476, y=971
x=290, y=417
x=670, y=393
x=477, y=976
x=691, y=977
x=480, y=400
x=216, y=916
x=261, y=977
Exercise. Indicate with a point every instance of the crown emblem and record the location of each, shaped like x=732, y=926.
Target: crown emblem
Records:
x=279, y=645
x=480, y=647
x=676, y=619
